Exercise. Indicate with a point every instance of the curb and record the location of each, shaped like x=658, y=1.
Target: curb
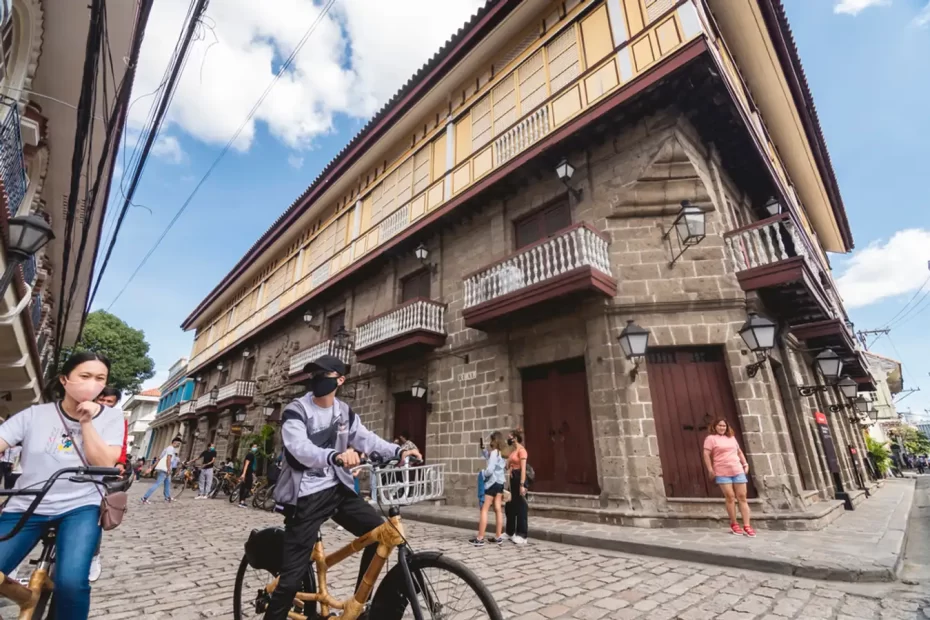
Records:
x=671, y=552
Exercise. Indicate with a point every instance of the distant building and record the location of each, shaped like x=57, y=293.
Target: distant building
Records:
x=888, y=382
x=140, y=411
x=924, y=428
x=176, y=394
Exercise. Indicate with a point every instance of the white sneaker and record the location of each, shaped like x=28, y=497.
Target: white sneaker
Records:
x=95, y=569
x=504, y=537
x=518, y=540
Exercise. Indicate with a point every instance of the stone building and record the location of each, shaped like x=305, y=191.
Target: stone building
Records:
x=448, y=247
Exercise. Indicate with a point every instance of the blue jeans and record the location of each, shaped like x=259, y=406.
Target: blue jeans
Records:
x=78, y=536
x=737, y=479
x=162, y=479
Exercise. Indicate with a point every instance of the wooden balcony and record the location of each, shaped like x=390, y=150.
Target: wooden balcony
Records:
x=238, y=392
x=410, y=329
x=572, y=262
x=775, y=258
x=299, y=360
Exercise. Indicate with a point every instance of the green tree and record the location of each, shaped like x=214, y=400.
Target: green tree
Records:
x=880, y=453
x=914, y=441
x=125, y=346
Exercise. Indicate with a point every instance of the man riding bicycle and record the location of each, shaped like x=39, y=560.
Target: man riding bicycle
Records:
x=318, y=432
x=55, y=436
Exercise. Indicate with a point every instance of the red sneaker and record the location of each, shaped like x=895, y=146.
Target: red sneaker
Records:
x=736, y=529
x=748, y=531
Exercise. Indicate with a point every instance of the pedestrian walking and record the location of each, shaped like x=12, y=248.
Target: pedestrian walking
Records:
x=921, y=463
x=314, y=485
x=208, y=457
x=163, y=471
x=727, y=465
x=520, y=478
x=248, y=469
x=66, y=432
x=494, y=489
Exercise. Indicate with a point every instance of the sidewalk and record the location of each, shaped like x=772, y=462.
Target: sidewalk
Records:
x=865, y=545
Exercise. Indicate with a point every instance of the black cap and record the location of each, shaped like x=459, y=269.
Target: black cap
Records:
x=329, y=363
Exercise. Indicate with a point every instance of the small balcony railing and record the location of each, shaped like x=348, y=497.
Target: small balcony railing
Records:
x=327, y=347
x=414, y=315
x=769, y=241
x=187, y=407
x=29, y=270
x=236, y=389
x=36, y=312
x=573, y=248
x=206, y=401
x=12, y=169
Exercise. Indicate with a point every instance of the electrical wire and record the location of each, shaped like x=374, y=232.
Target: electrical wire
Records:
x=216, y=161
x=904, y=307
x=914, y=311
x=162, y=109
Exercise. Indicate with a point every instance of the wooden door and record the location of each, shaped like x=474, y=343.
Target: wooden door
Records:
x=689, y=387
x=557, y=423
x=410, y=417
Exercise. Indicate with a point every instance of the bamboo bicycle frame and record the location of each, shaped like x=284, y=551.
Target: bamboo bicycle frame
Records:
x=388, y=536
x=26, y=596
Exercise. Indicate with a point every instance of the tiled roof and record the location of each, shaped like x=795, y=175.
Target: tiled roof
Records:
x=435, y=68
x=153, y=392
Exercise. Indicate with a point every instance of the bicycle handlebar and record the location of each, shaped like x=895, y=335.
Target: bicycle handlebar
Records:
x=80, y=476
x=375, y=460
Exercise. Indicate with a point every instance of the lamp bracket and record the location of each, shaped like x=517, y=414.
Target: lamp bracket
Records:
x=810, y=390
x=634, y=372
x=753, y=369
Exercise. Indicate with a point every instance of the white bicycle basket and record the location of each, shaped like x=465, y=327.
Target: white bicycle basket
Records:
x=402, y=486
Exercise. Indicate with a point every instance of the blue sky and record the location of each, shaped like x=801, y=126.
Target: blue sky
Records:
x=866, y=60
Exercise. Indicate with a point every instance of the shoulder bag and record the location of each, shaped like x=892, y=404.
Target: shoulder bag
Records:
x=113, y=504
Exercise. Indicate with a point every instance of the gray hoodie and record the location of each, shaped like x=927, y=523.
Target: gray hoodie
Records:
x=312, y=437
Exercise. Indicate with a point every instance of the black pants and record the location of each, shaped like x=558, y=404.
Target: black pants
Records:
x=343, y=506
x=245, y=488
x=517, y=510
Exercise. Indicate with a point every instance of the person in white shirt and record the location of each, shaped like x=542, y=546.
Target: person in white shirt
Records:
x=163, y=467
x=54, y=436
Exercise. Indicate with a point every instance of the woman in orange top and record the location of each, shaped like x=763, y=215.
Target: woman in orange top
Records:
x=517, y=509
x=727, y=465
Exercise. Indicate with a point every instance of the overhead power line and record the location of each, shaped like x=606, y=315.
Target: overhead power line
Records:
x=161, y=109
x=284, y=67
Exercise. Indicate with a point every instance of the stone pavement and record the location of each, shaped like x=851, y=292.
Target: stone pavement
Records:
x=864, y=545
x=179, y=561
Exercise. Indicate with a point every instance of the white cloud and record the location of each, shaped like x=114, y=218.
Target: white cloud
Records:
x=922, y=20
x=884, y=270
x=295, y=161
x=168, y=148
x=854, y=7
x=357, y=57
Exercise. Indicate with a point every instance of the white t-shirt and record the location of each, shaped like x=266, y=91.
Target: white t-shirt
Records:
x=46, y=449
x=166, y=460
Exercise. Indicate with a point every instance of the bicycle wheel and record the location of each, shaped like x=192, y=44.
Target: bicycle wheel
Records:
x=269, y=503
x=251, y=598
x=258, y=499
x=234, y=494
x=177, y=488
x=446, y=589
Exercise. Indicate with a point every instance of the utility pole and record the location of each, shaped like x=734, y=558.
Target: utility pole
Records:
x=862, y=333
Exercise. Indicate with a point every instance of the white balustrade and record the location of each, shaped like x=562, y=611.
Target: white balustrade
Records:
x=765, y=244
x=574, y=248
x=327, y=347
x=419, y=315
x=523, y=134
x=236, y=389
x=207, y=400
x=394, y=223
x=188, y=406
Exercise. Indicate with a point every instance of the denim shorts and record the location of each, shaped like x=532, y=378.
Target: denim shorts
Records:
x=494, y=489
x=737, y=479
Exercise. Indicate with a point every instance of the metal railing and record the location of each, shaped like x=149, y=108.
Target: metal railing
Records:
x=327, y=347
x=237, y=389
x=29, y=270
x=574, y=247
x=36, y=312
x=12, y=168
x=414, y=315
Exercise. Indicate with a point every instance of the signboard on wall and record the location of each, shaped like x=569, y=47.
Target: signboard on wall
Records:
x=826, y=438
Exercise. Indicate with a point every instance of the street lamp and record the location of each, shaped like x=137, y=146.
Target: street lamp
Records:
x=418, y=389
x=246, y=353
x=341, y=337
x=690, y=228
x=758, y=333
x=240, y=416
x=421, y=253
x=864, y=405
x=772, y=207
x=829, y=364
x=848, y=387
x=220, y=366
x=214, y=393
x=634, y=340
x=564, y=171
x=28, y=235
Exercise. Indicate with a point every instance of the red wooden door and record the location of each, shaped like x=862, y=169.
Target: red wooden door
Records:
x=689, y=387
x=410, y=417
x=557, y=422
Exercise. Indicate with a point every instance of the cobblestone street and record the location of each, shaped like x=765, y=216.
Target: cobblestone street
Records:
x=180, y=561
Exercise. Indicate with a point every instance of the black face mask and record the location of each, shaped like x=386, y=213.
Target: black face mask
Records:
x=322, y=385
x=510, y=441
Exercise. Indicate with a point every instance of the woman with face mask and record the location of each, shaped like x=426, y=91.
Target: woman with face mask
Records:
x=54, y=435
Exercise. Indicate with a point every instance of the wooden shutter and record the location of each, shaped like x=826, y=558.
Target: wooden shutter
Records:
x=481, y=123
x=335, y=322
x=504, y=104
x=532, y=77
x=563, y=59
x=416, y=285
x=541, y=224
